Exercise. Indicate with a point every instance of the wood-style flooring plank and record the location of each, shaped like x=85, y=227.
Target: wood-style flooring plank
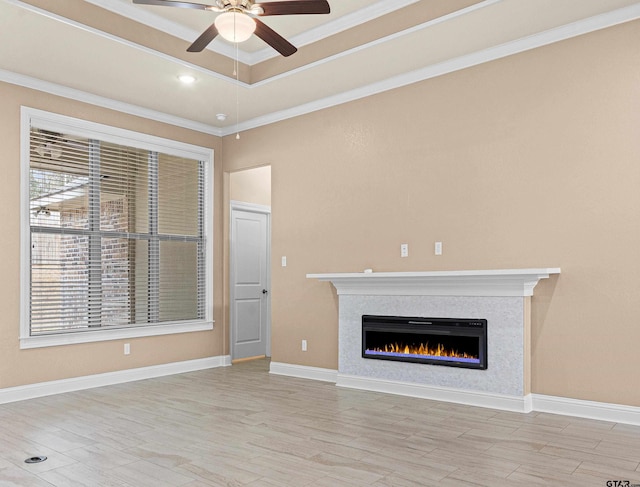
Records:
x=240, y=426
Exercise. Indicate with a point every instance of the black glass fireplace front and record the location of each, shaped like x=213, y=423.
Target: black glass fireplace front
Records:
x=441, y=341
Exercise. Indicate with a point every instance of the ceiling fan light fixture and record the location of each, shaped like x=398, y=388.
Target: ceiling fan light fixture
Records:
x=235, y=26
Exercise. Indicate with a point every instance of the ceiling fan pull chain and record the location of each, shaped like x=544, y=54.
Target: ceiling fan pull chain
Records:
x=236, y=68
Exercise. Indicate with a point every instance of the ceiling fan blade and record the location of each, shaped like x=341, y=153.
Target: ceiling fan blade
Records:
x=203, y=41
x=275, y=40
x=295, y=7
x=168, y=3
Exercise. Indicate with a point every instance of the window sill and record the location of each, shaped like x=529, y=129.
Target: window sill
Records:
x=116, y=334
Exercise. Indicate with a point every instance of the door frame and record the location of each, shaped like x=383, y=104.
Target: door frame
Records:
x=251, y=208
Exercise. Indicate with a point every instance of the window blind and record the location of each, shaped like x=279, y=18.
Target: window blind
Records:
x=117, y=235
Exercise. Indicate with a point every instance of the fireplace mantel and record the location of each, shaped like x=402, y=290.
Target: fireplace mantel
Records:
x=501, y=282
x=501, y=297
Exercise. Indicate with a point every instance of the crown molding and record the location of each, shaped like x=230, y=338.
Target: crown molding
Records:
x=175, y=29
x=372, y=11
x=541, y=39
x=100, y=101
x=120, y=40
x=558, y=34
x=382, y=40
x=364, y=15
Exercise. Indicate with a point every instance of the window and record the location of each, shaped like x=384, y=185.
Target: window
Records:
x=116, y=233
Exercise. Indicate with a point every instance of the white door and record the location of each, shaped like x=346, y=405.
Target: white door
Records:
x=249, y=275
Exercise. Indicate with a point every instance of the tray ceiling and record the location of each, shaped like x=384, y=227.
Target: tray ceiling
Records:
x=114, y=53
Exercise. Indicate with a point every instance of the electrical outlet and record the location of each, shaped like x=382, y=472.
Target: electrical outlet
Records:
x=127, y=348
x=404, y=250
x=304, y=345
x=284, y=261
x=438, y=248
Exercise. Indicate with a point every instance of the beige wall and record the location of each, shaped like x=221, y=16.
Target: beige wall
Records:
x=528, y=161
x=251, y=186
x=19, y=367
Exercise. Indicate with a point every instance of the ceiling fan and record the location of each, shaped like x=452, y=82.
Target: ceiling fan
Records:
x=238, y=19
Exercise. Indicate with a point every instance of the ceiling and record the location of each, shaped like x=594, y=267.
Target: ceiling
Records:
x=128, y=57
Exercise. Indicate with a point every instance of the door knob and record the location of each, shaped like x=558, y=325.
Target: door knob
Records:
x=264, y=291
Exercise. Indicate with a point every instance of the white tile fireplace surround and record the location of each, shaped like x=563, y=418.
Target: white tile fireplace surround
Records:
x=502, y=297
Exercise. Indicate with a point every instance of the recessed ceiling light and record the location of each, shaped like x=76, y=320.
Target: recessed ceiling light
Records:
x=187, y=79
x=221, y=117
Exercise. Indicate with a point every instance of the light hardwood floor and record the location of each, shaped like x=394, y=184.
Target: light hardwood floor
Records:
x=240, y=426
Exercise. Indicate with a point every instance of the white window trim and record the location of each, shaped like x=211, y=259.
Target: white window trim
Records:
x=65, y=124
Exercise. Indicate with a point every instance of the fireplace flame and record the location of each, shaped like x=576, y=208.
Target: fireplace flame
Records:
x=423, y=349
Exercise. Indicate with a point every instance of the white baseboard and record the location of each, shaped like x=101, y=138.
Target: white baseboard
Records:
x=31, y=391
x=446, y=394
x=616, y=413
x=303, y=371
x=602, y=411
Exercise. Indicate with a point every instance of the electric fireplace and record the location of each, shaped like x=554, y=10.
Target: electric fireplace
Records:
x=439, y=341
